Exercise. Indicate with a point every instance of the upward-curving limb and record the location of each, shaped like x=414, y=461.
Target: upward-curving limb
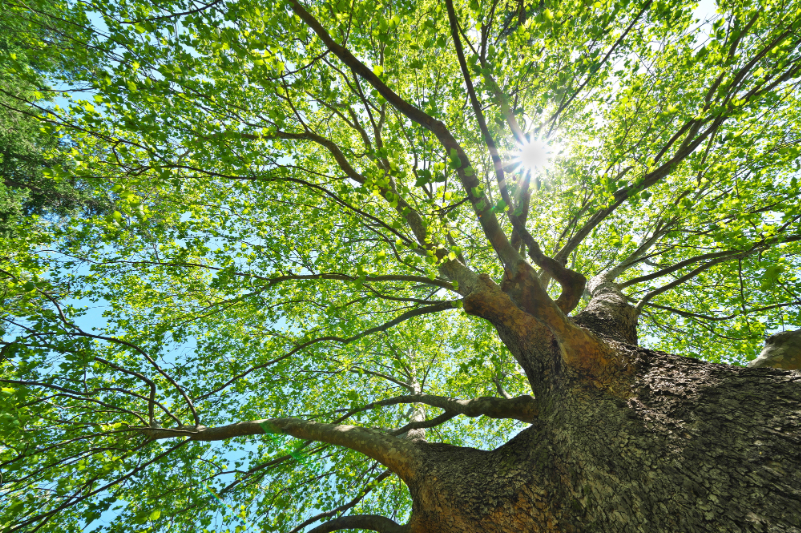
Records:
x=470, y=183
x=368, y=522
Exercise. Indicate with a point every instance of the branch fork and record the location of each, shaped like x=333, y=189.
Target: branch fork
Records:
x=521, y=301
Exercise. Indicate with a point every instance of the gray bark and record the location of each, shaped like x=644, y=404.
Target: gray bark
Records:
x=608, y=313
x=782, y=350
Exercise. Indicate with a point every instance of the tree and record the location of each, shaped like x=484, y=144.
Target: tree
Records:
x=25, y=151
x=340, y=222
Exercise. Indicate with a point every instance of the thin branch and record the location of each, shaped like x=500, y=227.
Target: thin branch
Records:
x=679, y=266
x=76, y=395
x=78, y=331
x=499, y=387
x=691, y=275
x=442, y=306
x=172, y=15
x=688, y=314
x=344, y=507
x=294, y=277
x=46, y=516
x=603, y=61
x=425, y=424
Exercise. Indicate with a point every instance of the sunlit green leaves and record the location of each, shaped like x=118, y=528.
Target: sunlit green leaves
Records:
x=269, y=207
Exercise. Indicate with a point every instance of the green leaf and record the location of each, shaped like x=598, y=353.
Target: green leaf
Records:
x=500, y=207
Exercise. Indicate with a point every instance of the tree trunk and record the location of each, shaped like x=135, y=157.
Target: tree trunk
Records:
x=654, y=442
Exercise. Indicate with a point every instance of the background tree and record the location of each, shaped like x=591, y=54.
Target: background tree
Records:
x=335, y=221
x=26, y=151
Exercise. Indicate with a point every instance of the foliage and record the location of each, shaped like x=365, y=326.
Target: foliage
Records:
x=27, y=152
x=285, y=231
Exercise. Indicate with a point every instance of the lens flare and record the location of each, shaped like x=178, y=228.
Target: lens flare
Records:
x=535, y=154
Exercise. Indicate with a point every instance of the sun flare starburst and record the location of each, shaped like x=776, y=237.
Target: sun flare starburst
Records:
x=535, y=154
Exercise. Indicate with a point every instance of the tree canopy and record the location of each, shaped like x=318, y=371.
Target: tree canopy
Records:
x=304, y=193
x=26, y=149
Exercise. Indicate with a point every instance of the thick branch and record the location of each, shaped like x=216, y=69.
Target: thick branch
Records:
x=782, y=350
x=369, y=522
x=524, y=408
x=482, y=124
x=520, y=298
x=572, y=283
x=635, y=257
x=399, y=455
x=621, y=195
x=687, y=147
x=608, y=312
x=470, y=182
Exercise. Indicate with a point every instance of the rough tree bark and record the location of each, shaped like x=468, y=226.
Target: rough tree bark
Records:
x=649, y=441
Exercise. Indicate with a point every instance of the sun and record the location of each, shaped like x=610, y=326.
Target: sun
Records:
x=535, y=154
